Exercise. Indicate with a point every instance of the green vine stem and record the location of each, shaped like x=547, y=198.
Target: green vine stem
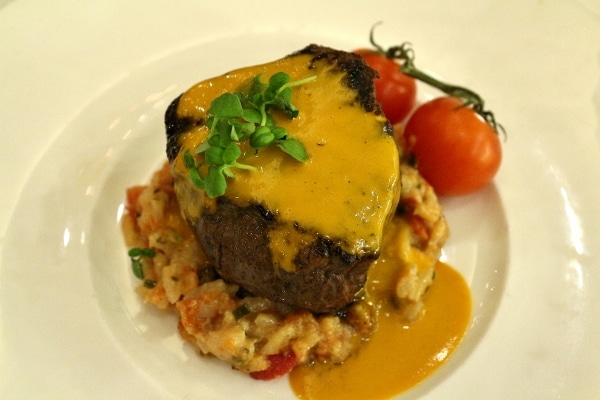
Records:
x=406, y=55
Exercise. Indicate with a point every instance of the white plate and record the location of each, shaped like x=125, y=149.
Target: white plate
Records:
x=84, y=91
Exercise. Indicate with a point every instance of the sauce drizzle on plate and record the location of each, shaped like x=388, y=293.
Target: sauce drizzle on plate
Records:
x=399, y=355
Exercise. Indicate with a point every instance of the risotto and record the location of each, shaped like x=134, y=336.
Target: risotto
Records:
x=255, y=335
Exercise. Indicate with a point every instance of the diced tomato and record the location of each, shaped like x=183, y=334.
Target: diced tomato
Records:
x=418, y=226
x=133, y=194
x=279, y=365
x=409, y=205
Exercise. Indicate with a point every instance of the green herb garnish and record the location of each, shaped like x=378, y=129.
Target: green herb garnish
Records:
x=241, y=311
x=244, y=117
x=136, y=254
x=148, y=284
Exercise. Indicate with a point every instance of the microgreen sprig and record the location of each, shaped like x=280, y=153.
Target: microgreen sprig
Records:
x=406, y=55
x=136, y=254
x=240, y=117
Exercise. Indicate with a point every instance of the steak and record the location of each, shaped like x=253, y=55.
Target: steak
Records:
x=325, y=270
x=236, y=240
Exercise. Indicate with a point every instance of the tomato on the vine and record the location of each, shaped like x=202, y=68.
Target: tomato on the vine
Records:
x=456, y=150
x=395, y=91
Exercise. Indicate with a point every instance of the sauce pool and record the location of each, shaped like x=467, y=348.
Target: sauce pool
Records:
x=399, y=355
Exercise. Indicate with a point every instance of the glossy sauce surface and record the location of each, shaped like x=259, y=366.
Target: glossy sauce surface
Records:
x=351, y=157
x=399, y=355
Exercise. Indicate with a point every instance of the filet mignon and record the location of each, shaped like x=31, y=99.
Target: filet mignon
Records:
x=302, y=234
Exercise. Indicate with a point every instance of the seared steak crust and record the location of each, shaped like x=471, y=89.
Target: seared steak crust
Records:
x=359, y=77
x=175, y=126
x=236, y=241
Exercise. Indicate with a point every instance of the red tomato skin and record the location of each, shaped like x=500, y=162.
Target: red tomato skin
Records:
x=395, y=91
x=457, y=151
x=279, y=365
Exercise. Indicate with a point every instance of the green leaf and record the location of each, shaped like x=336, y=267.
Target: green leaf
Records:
x=210, y=121
x=188, y=160
x=137, y=268
x=247, y=129
x=227, y=105
x=261, y=130
x=256, y=100
x=231, y=153
x=136, y=254
x=147, y=252
x=287, y=106
x=233, y=132
x=252, y=115
x=149, y=284
x=286, y=95
x=294, y=148
x=277, y=103
x=214, y=156
x=269, y=95
x=270, y=121
x=291, y=111
x=277, y=80
x=224, y=133
x=201, y=149
x=262, y=137
x=279, y=132
x=195, y=177
x=258, y=86
x=214, y=139
x=215, y=182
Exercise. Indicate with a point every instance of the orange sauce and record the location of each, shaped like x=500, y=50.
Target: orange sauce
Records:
x=399, y=355
x=328, y=116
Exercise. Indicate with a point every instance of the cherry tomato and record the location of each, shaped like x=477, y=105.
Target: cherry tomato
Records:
x=395, y=91
x=456, y=150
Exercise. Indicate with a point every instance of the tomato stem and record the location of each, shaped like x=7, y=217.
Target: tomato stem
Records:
x=406, y=55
